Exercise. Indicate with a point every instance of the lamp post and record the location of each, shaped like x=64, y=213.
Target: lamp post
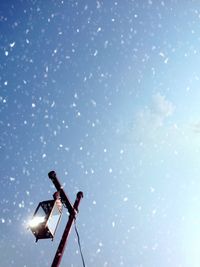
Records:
x=47, y=216
x=72, y=215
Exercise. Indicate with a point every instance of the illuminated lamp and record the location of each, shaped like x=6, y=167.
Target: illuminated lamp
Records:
x=46, y=218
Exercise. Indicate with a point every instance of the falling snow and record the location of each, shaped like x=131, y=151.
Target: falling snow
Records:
x=107, y=94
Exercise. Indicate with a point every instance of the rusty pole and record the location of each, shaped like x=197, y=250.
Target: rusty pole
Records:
x=72, y=216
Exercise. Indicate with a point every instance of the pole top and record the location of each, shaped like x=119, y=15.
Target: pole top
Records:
x=79, y=194
x=52, y=174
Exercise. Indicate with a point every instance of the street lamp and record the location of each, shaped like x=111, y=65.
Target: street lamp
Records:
x=46, y=218
x=48, y=214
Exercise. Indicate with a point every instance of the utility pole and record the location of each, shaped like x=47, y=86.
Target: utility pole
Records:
x=72, y=216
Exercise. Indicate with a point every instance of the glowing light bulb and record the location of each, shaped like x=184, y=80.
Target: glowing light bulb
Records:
x=36, y=221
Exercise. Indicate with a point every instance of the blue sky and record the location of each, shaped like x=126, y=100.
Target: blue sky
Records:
x=106, y=93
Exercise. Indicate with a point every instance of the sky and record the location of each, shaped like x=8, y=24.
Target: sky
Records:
x=105, y=93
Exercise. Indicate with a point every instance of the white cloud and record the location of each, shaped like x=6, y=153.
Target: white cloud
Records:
x=153, y=116
x=161, y=106
x=150, y=125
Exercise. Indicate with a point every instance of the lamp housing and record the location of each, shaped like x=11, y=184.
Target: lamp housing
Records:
x=46, y=219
